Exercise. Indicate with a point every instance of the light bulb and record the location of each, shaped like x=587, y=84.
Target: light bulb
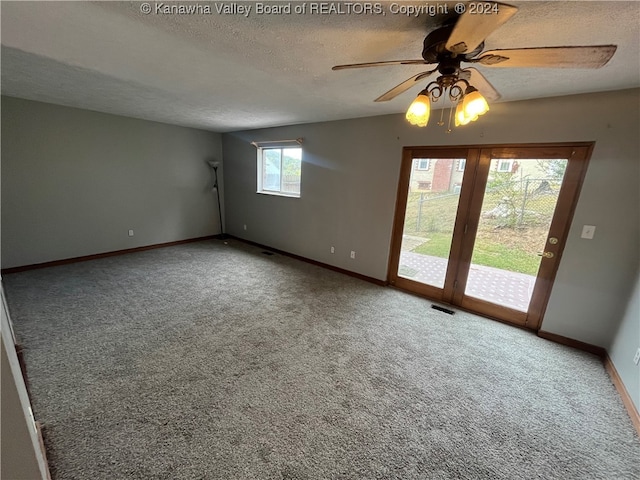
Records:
x=474, y=104
x=461, y=118
x=418, y=112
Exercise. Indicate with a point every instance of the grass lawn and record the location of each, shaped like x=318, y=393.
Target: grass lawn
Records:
x=497, y=245
x=486, y=253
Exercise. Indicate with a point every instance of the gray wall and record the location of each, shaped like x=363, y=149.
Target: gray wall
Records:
x=350, y=176
x=624, y=346
x=74, y=182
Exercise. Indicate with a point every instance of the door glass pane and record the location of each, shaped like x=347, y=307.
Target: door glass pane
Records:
x=518, y=206
x=432, y=203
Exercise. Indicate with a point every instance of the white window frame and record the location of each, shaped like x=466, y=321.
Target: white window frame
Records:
x=260, y=169
x=504, y=161
x=419, y=162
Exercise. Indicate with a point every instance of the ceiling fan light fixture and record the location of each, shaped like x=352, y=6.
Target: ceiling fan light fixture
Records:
x=474, y=104
x=463, y=40
x=419, y=110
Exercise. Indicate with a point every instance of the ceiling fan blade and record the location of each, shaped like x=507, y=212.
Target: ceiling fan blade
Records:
x=476, y=79
x=403, y=87
x=478, y=22
x=594, y=56
x=380, y=64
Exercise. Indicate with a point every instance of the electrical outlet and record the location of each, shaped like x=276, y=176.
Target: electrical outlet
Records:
x=131, y=233
x=588, y=231
x=636, y=358
x=333, y=249
x=245, y=226
x=353, y=254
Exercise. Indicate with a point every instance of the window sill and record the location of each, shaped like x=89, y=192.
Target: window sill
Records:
x=279, y=194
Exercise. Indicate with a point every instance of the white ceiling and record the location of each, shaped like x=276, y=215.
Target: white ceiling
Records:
x=230, y=72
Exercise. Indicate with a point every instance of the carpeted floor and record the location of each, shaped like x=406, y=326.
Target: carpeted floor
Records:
x=213, y=360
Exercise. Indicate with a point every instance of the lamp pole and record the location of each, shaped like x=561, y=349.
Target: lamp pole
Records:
x=214, y=165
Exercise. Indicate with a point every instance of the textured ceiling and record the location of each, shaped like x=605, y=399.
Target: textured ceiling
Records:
x=226, y=72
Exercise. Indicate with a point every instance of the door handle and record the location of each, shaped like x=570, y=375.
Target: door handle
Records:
x=546, y=254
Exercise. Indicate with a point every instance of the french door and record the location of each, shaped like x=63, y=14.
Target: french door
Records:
x=484, y=227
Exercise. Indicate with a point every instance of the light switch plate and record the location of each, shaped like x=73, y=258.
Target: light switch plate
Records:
x=588, y=231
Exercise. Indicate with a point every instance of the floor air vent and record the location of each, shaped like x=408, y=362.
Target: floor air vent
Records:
x=442, y=309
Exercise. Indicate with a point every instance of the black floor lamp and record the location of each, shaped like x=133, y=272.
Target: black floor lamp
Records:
x=215, y=166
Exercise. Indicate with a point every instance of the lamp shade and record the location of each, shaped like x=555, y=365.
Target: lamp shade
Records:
x=461, y=118
x=419, y=110
x=474, y=104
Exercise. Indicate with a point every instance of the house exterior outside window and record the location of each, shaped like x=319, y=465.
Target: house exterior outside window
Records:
x=279, y=171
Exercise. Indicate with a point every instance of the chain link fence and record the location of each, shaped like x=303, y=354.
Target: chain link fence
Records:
x=508, y=203
x=521, y=203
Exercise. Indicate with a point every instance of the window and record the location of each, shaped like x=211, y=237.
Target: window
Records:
x=461, y=164
x=279, y=170
x=505, y=165
x=422, y=163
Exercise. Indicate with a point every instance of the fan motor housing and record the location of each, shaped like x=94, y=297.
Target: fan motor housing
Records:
x=435, y=50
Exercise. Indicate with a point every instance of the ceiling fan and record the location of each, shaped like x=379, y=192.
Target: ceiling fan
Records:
x=462, y=40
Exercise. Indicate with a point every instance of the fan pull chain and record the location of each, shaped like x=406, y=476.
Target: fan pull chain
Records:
x=441, y=122
x=450, y=117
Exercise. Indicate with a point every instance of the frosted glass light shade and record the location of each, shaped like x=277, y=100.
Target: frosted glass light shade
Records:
x=419, y=110
x=461, y=118
x=474, y=104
